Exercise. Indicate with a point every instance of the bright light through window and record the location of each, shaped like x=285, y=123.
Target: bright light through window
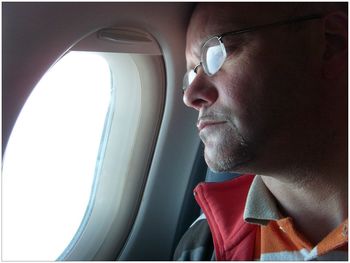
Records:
x=50, y=161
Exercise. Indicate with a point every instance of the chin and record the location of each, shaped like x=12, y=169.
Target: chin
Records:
x=226, y=150
x=222, y=160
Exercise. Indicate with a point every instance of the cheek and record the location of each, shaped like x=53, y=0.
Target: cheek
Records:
x=241, y=92
x=243, y=81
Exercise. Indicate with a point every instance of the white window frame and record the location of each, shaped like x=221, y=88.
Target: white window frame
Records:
x=126, y=154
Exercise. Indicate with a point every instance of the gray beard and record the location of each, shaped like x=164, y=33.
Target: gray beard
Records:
x=230, y=154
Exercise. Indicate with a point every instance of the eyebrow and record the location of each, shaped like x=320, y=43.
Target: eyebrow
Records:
x=194, y=52
x=253, y=28
x=287, y=21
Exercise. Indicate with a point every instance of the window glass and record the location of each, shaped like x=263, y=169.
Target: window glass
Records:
x=50, y=161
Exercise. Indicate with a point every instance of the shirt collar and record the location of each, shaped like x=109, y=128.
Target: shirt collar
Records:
x=261, y=206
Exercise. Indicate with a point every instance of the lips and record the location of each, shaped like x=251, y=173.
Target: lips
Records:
x=201, y=124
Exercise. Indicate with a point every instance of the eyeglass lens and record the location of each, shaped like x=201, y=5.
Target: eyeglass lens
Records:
x=213, y=57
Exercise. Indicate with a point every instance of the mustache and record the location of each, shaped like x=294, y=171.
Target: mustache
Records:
x=222, y=116
x=214, y=116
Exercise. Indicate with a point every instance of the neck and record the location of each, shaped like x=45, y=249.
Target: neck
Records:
x=316, y=202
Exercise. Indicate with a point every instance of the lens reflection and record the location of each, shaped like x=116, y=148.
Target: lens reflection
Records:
x=214, y=55
x=214, y=59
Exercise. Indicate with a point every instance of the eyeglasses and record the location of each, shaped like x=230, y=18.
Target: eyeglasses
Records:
x=213, y=52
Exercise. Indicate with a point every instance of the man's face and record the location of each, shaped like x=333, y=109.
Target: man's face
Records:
x=257, y=101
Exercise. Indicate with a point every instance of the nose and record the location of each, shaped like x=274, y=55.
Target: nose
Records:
x=201, y=93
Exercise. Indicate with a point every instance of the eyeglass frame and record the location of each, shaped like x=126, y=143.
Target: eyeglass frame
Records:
x=246, y=30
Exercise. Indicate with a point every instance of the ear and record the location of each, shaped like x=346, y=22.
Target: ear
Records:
x=336, y=48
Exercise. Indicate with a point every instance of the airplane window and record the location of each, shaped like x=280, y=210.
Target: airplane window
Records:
x=50, y=161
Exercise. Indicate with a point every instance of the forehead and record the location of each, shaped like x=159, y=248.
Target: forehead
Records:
x=216, y=18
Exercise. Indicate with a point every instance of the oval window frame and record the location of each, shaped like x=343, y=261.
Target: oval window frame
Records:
x=140, y=96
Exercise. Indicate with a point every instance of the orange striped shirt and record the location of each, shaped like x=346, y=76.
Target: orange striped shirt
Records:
x=278, y=238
